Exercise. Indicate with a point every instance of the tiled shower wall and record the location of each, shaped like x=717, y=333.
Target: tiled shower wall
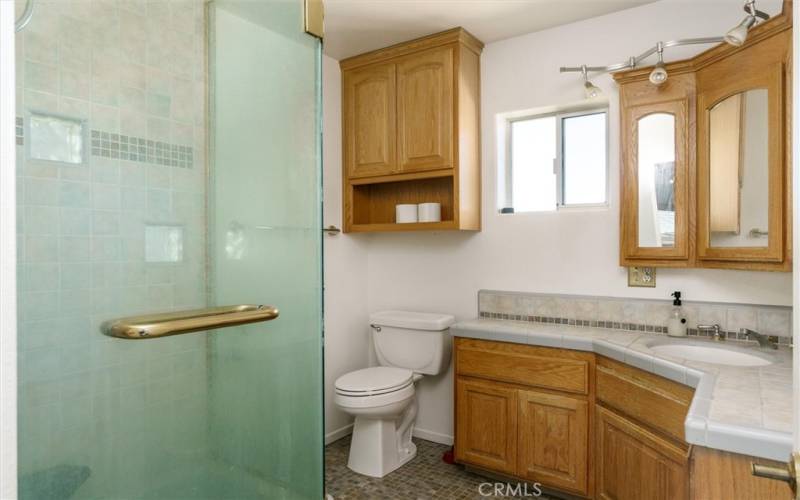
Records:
x=134, y=70
x=649, y=316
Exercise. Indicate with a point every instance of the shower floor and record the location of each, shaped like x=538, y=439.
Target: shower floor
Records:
x=217, y=481
x=424, y=477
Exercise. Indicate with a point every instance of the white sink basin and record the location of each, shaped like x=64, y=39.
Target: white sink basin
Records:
x=718, y=355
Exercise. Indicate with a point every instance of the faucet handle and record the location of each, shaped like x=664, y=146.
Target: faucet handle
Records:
x=714, y=329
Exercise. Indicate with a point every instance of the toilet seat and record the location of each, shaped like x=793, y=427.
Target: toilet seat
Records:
x=374, y=381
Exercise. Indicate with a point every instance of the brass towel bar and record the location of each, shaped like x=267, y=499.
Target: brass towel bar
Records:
x=196, y=320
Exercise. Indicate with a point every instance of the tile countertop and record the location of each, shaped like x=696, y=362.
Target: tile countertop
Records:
x=744, y=410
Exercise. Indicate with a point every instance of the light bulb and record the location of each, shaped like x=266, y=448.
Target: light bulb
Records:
x=591, y=89
x=659, y=74
x=736, y=36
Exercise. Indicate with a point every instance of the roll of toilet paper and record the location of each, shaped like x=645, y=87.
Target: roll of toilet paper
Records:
x=405, y=213
x=429, y=212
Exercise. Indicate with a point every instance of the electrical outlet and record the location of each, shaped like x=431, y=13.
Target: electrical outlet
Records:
x=642, y=277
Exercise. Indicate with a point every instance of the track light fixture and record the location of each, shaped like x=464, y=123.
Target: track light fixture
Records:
x=736, y=36
x=659, y=73
x=592, y=91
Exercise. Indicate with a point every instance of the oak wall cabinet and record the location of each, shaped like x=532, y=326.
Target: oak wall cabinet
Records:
x=411, y=133
x=706, y=167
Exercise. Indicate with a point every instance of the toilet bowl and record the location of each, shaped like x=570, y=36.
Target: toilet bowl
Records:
x=385, y=414
x=382, y=399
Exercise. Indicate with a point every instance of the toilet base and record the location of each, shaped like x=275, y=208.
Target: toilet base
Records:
x=380, y=446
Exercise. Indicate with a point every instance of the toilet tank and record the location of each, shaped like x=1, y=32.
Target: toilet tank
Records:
x=417, y=341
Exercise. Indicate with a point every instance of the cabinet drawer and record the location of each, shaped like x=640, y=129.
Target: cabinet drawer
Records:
x=650, y=399
x=556, y=369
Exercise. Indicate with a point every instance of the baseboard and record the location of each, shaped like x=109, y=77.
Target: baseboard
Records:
x=338, y=434
x=436, y=437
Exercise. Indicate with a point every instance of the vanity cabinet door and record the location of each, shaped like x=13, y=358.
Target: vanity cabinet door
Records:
x=742, y=175
x=633, y=463
x=425, y=104
x=658, y=171
x=553, y=441
x=370, y=138
x=486, y=425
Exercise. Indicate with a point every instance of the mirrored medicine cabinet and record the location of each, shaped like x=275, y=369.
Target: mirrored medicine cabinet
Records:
x=705, y=178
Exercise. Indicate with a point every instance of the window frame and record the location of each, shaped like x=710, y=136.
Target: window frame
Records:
x=558, y=161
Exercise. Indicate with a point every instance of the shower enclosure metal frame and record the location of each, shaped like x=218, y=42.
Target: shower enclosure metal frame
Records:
x=8, y=257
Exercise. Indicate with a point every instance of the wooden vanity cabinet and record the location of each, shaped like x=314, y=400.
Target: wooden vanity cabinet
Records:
x=525, y=412
x=411, y=133
x=705, y=157
x=573, y=421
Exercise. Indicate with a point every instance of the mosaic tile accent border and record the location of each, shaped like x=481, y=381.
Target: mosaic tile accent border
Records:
x=634, y=315
x=123, y=147
x=20, y=131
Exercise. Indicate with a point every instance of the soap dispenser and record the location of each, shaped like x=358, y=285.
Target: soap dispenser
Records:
x=676, y=326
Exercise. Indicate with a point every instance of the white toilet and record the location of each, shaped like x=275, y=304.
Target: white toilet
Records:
x=408, y=345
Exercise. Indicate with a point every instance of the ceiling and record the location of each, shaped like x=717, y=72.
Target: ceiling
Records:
x=356, y=26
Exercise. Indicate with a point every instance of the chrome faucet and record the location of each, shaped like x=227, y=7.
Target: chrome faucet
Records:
x=716, y=334
x=763, y=340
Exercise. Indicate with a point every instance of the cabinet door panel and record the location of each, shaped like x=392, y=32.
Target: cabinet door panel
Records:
x=553, y=440
x=425, y=110
x=741, y=168
x=633, y=463
x=370, y=128
x=486, y=425
x=658, y=173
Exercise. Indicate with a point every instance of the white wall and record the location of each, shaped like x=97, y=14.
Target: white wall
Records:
x=572, y=252
x=346, y=306
x=569, y=252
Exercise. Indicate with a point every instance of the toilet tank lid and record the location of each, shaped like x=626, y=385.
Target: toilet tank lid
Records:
x=412, y=320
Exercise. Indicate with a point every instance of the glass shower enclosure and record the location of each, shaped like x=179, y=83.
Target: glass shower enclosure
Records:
x=169, y=160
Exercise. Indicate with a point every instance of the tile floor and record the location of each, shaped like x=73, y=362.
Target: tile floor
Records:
x=425, y=477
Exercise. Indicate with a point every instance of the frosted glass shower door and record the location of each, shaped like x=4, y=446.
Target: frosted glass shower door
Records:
x=266, y=234
x=168, y=159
